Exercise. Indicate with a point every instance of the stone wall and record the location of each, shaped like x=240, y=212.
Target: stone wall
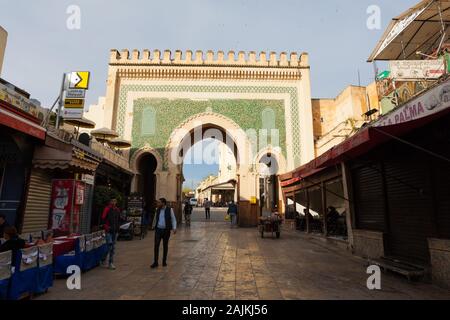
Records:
x=440, y=261
x=368, y=244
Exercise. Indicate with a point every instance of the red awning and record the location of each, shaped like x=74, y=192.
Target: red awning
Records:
x=357, y=145
x=19, y=122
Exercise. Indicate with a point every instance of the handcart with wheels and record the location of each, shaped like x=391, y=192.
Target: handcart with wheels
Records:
x=271, y=225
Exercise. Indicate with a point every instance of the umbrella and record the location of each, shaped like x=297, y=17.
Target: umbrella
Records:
x=81, y=123
x=120, y=143
x=104, y=134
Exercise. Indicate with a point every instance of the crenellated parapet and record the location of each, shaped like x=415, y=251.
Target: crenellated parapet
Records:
x=210, y=58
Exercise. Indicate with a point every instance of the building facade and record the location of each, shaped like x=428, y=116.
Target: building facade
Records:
x=260, y=105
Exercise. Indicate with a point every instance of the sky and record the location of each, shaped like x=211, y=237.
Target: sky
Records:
x=334, y=33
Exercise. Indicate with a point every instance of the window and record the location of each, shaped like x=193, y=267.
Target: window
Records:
x=148, y=121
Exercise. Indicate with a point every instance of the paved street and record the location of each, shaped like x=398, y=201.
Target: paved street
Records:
x=212, y=261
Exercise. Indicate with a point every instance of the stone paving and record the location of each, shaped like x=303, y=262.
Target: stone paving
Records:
x=210, y=260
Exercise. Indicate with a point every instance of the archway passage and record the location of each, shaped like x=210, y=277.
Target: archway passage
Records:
x=268, y=183
x=147, y=166
x=209, y=171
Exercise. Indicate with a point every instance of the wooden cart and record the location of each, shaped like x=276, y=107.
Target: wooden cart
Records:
x=270, y=225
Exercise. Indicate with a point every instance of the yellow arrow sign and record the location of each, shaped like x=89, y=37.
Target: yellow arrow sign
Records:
x=79, y=80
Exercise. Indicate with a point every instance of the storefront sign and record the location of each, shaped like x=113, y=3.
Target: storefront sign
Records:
x=73, y=113
x=88, y=179
x=417, y=69
x=73, y=103
x=79, y=193
x=433, y=101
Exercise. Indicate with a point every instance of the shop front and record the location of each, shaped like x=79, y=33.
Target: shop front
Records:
x=20, y=131
x=391, y=181
x=58, y=176
x=316, y=200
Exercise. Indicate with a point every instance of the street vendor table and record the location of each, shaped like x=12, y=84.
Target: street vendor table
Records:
x=63, y=246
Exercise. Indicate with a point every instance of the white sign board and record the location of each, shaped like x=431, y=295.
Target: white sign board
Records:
x=73, y=113
x=433, y=101
x=74, y=94
x=417, y=69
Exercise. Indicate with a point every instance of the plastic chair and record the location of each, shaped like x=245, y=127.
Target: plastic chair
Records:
x=45, y=270
x=5, y=273
x=23, y=278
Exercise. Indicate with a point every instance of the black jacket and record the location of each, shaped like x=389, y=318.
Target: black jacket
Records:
x=14, y=245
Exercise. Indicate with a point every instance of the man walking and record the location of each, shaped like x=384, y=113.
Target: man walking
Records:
x=208, y=209
x=164, y=223
x=110, y=221
x=187, y=212
x=233, y=212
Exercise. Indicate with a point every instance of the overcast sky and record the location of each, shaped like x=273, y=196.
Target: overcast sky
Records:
x=41, y=47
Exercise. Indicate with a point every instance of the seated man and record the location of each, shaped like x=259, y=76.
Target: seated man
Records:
x=13, y=242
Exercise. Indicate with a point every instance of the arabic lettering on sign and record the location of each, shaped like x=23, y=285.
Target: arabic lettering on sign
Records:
x=433, y=101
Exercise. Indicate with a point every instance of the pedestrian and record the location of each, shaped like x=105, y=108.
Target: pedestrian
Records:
x=187, y=212
x=164, y=223
x=3, y=225
x=233, y=212
x=111, y=224
x=208, y=209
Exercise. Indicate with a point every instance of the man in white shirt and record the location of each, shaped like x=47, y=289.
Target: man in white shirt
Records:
x=164, y=223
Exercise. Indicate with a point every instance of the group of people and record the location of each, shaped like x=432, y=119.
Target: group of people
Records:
x=188, y=209
x=164, y=224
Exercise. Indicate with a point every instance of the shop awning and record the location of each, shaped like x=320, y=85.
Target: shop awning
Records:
x=417, y=29
x=20, y=121
x=229, y=185
x=357, y=145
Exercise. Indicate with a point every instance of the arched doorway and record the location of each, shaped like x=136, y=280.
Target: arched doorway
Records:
x=146, y=167
x=268, y=183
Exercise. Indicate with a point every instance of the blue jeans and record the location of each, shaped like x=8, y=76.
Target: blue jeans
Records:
x=233, y=219
x=111, y=243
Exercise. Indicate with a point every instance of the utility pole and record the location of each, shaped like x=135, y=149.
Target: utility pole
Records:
x=61, y=102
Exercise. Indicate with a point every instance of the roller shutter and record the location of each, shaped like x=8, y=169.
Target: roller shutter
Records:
x=368, y=197
x=38, y=202
x=410, y=208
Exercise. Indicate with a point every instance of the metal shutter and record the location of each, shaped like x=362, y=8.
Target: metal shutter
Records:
x=410, y=207
x=368, y=197
x=86, y=210
x=442, y=194
x=38, y=202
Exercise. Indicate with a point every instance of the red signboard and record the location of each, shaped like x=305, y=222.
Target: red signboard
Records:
x=67, y=201
x=62, y=205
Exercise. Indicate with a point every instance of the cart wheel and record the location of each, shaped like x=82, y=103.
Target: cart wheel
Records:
x=278, y=235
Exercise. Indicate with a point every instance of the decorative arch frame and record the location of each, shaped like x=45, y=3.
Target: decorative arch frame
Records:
x=134, y=160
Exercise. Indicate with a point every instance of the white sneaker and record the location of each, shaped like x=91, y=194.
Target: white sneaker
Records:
x=112, y=267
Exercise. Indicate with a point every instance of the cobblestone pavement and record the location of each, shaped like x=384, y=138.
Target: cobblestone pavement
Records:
x=210, y=260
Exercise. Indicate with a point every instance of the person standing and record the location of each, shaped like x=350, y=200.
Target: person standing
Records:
x=3, y=224
x=233, y=212
x=187, y=212
x=164, y=223
x=111, y=224
x=208, y=205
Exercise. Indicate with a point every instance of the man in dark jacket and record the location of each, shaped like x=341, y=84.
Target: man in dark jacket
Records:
x=13, y=242
x=111, y=224
x=164, y=223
